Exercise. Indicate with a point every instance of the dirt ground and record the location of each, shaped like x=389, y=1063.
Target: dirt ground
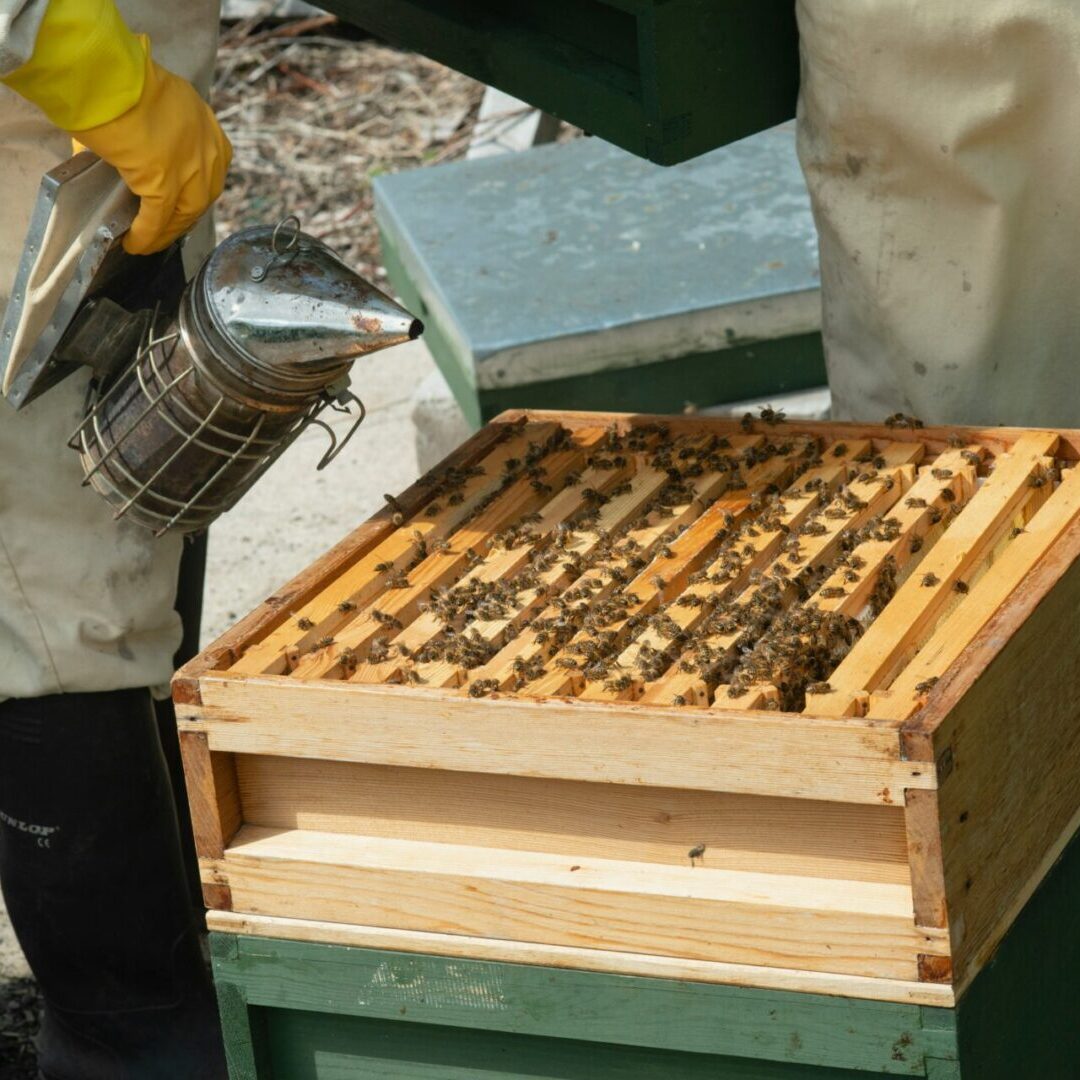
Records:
x=314, y=115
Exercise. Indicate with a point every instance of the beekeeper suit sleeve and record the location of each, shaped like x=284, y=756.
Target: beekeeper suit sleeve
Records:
x=19, y=24
x=939, y=146
x=86, y=602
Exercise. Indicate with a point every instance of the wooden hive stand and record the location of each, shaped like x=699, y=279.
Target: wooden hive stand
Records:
x=786, y=706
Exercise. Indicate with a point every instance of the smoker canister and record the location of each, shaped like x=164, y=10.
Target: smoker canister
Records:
x=262, y=342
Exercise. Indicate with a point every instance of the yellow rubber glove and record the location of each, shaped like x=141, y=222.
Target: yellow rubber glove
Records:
x=170, y=151
x=97, y=80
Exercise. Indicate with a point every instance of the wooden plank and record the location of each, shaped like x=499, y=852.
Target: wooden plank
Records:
x=678, y=560
x=659, y=967
x=872, y=497
x=759, y=696
x=686, y=553
x=473, y=539
x=214, y=800
x=799, y=501
x=212, y=794
x=1002, y=724
x=928, y=499
x=922, y=821
x=752, y=753
x=896, y=634
x=610, y=821
x=277, y=608
x=856, y=928
x=935, y=439
x=358, y=579
x=908, y=691
x=613, y=515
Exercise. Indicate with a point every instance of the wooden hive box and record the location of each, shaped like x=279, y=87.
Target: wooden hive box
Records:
x=780, y=705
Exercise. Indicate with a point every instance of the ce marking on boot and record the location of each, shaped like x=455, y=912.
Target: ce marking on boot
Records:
x=43, y=834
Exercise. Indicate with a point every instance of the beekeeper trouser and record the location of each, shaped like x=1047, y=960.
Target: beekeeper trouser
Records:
x=91, y=874
x=939, y=144
x=86, y=603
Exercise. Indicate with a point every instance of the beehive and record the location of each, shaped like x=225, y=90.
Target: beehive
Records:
x=772, y=704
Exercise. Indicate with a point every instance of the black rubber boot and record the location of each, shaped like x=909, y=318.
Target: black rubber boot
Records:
x=94, y=882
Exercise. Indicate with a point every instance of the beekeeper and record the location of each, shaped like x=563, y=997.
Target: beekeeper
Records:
x=938, y=142
x=89, y=859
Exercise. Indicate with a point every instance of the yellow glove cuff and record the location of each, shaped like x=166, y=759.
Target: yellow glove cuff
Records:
x=87, y=67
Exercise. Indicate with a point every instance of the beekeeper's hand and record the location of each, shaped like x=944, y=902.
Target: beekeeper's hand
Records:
x=94, y=78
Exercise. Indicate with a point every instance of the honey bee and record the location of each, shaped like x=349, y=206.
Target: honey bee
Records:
x=433, y=510
x=839, y=450
x=1039, y=477
x=385, y=619
x=304, y=623
x=832, y=592
x=678, y=699
x=397, y=580
x=930, y=579
x=915, y=502
x=926, y=685
x=322, y=643
x=482, y=687
x=819, y=688
x=916, y=545
x=619, y=684
x=696, y=853
x=948, y=495
x=899, y=420
x=960, y=586
x=941, y=474
x=346, y=605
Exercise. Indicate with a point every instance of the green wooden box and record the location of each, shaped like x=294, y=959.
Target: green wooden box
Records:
x=665, y=79
x=293, y=1010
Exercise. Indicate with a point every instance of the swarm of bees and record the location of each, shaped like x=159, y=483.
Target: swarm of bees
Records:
x=610, y=597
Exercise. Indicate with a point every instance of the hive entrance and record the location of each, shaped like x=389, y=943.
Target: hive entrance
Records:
x=765, y=567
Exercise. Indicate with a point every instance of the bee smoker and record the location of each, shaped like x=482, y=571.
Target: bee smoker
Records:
x=259, y=345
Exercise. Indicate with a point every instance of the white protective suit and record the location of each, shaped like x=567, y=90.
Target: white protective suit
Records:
x=86, y=603
x=939, y=142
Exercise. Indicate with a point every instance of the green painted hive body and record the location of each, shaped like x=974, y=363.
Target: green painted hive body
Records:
x=665, y=79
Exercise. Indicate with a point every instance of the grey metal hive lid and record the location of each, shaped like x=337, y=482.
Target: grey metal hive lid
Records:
x=555, y=244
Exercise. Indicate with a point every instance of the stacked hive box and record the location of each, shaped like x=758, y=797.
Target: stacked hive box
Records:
x=761, y=704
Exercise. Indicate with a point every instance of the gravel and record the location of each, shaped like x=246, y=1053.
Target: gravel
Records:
x=19, y=1007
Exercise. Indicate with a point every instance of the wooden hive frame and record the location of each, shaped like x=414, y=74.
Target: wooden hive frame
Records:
x=655, y=818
